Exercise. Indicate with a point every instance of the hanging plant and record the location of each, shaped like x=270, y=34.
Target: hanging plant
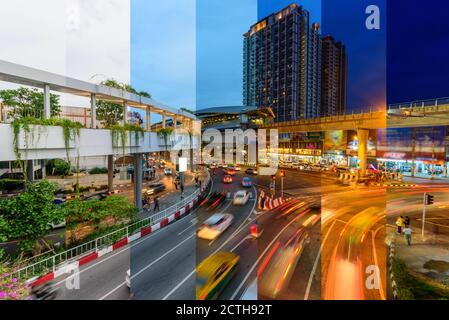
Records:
x=119, y=132
x=70, y=129
x=164, y=133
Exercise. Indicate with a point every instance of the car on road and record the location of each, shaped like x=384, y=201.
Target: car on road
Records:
x=13, y=176
x=96, y=196
x=251, y=171
x=214, y=273
x=214, y=226
x=237, y=167
x=227, y=179
x=214, y=200
x=342, y=170
x=155, y=188
x=316, y=168
x=280, y=264
x=246, y=182
x=241, y=198
x=62, y=224
x=229, y=172
x=168, y=171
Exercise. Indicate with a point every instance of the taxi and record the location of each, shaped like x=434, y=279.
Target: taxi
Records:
x=214, y=274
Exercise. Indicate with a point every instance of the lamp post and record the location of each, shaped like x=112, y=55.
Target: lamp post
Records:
x=282, y=175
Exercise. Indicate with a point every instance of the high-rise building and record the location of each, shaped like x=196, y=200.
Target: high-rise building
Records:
x=282, y=65
x=334, y=77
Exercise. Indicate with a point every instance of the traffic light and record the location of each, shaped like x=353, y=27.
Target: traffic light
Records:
x=273, y=177
x=429, y=199
x=282, y=173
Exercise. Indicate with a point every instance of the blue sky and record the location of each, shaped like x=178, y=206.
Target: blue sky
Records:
x=366, y=49
x=163, y=50
x=418, y=50
x=220, y=28
x=189, y=53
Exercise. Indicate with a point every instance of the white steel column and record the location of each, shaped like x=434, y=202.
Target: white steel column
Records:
x=93, y=110
x=47, y=106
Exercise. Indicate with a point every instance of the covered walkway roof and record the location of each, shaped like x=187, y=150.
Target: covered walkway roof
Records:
x=23, y=75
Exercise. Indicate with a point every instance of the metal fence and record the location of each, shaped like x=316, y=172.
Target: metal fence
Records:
x=57, y=261
x=420, y=104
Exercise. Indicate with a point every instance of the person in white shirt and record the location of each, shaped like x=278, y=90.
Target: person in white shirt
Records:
x=408, y=235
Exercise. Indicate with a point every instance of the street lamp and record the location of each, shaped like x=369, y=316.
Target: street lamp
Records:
x=282, y=175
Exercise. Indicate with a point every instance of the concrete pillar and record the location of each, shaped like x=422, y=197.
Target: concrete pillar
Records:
x=138, y=181
x=362, y=135
x=175, y=121
x=148, y=118
x=125, y=114
x=47, y=107
x=93, y=111
x=30, y=170
x=44, y=169
x=110, y=173
x=163, y=120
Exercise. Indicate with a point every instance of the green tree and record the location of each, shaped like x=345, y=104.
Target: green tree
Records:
x=28, y=217
x=28, y=102
x=111, y=113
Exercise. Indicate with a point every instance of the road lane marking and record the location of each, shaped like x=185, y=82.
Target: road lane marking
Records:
x=193, y=222
x=260, y=257
x=148, y=266
x=121, y=250
x=179, y=285
x=218, y=249
x=243, y=240
x=315, y=264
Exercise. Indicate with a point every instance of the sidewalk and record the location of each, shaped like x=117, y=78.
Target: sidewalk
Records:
x=426, y=180
x=430, y=257
x=171, y=198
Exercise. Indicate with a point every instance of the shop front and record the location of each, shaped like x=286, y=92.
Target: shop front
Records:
x=418, y=152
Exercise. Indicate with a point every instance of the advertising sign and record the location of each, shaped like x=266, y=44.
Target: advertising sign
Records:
x=335, y=141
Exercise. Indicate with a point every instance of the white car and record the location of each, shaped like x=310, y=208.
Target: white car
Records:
x=241, y=198
x=237, y=168
x=214, y=226
x=168, y=171
x=128, y=278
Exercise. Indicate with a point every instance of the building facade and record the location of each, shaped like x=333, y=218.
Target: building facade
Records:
x=280, y=63
x=334, y=77
x=288, y=67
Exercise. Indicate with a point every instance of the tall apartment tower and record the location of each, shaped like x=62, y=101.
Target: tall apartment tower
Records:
x=282, y=65
x=334, y=77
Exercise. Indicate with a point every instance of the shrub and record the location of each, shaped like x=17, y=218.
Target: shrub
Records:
x=11, y=288
x=59, y=167
x=97, y=170
x=11, y=184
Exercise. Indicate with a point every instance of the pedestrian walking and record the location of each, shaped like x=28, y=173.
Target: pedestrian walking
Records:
x=196, y=180
x=400, y=224
x=407, y=221
x=408, y=235
x=156, y=204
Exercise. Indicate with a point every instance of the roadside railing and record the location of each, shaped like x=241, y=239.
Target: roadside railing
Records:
x=420, y=104
x=53, y=263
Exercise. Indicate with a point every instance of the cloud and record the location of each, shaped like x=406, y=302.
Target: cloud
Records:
x=76, y=38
